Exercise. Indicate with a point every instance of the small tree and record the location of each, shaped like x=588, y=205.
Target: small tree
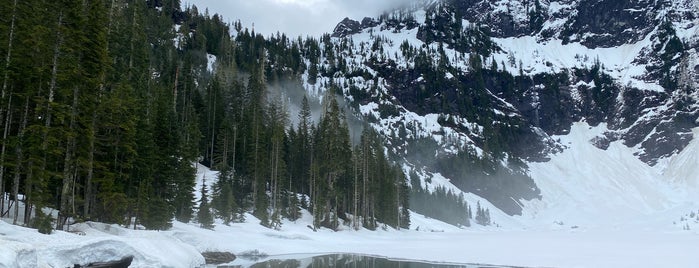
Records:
x=313, y=74
x=42, y=222
x=292, y=210
x=223, y=202
x=482, y=215
x=157, y=214
x=204, y=216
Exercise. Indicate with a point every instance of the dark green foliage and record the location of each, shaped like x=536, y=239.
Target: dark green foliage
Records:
x=510, y=181
x=157, y=214
x=381, y=193
x=334, y=153
x=109, y=115
x=536, y=17
x=111, y=120
x=313, y=74
x=204, y=216
x=42, y=222
x=670, y=49
x=223, y=201
x=444, y=24
x=113, y=206
x=404, y=204
x=291, y=205
x=439, y=203
x=482, y=215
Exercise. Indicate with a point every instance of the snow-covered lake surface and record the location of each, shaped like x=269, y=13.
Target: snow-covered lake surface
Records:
x=180, y=247
x=598, y=209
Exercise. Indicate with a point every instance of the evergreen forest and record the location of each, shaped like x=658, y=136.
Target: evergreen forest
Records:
x=107, y=105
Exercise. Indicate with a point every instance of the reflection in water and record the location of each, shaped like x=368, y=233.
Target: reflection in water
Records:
x=351, y=261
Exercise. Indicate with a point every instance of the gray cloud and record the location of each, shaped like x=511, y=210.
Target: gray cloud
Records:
x=293, y=17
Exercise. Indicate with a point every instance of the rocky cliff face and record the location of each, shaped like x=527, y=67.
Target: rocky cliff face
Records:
x=475, y=89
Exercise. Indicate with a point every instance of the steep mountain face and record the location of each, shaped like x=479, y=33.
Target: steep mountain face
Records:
x=473, y=90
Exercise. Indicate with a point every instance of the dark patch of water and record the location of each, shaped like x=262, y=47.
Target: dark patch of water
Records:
x=345, y=261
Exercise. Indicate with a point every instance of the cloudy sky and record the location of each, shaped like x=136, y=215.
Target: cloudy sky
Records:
x=293, y=17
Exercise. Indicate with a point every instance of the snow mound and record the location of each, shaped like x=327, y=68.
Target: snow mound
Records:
x=90, y=251
x=23, y=247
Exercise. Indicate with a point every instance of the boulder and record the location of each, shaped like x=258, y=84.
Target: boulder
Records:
x=218, y=257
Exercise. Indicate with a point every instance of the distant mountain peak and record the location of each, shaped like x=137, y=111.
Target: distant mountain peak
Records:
x=347, y=27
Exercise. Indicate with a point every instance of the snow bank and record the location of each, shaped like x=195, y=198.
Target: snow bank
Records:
x=23, y=247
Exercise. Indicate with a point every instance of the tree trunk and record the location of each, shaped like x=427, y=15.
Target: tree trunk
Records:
x=273, y=175
x=2, y=156
x=3, y=95
x=67, y=199
x=365, y=178
x=222, y=162
x=255, y=165
x=174, y=89
x=54, y=69
x=328, y=180
x=19, y=152
x=312, y=192
x=7, y=60
x=111, y=16
x=131, y=44
x=89, y=198
x=397, y=204
x=235, y=141
x=355, y=215
x=28, y=185
x=212, y=127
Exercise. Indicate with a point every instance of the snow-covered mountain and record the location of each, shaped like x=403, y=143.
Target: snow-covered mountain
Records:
x=486, y=94
x=573, y=123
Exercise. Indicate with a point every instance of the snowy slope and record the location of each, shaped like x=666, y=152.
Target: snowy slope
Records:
x=683, y=169
x=553, y=56
x=589, y=187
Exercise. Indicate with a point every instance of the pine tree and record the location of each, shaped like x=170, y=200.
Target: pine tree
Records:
x=276, y=120
x=157, y=215
x=303, y=147
x=293, y=207
x=204, y=216
x=404, y=203
x=334, y=150
x=313, y=74
x=482, y=215
x=259, y=166
x=223, y=201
